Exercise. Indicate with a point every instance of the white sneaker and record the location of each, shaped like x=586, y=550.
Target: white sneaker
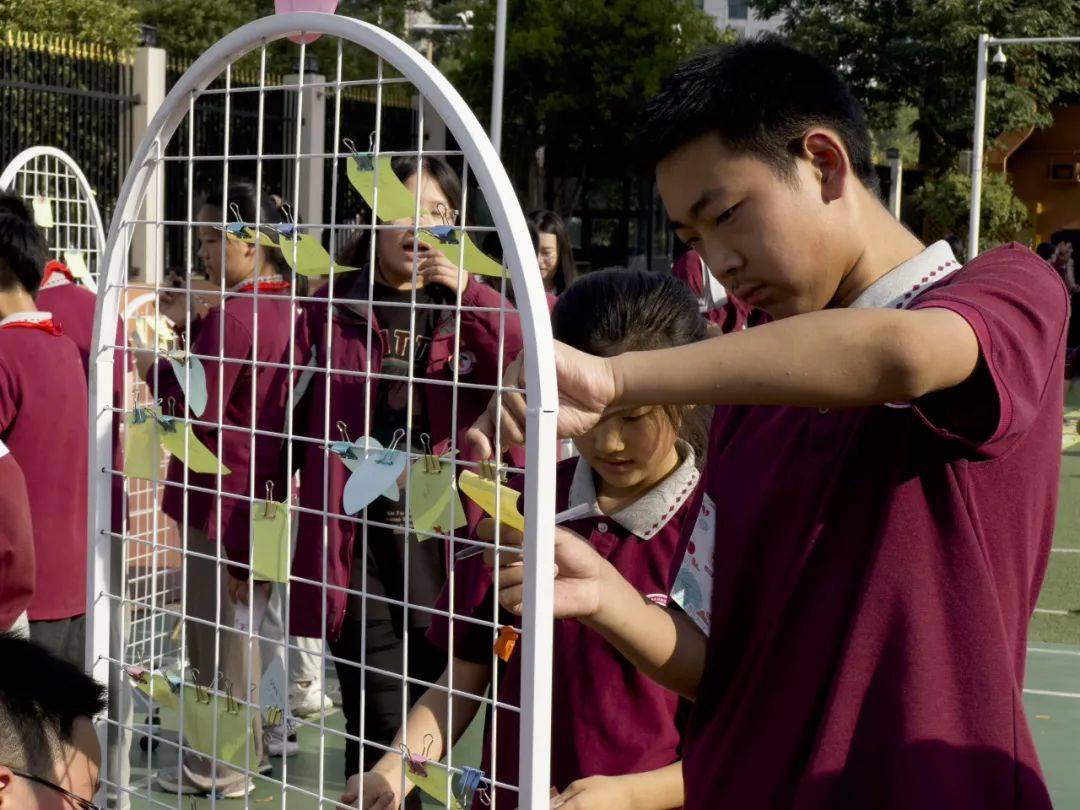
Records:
x=280, y=740
x=307, y=699
x=174, y=780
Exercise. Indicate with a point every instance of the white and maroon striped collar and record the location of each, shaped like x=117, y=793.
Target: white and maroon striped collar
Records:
x=898, y=288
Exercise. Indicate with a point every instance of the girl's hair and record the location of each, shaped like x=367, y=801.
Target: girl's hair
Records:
x=356, y=251
x=249, y=202
x=549, y=222
x=609, y=312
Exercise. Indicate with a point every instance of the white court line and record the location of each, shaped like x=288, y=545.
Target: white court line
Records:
x=1052, y=612
x=1066, y=550
x=1048, y=693
x=1053, y=652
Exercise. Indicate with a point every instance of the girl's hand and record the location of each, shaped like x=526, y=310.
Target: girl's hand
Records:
x=579, y=572
x=435, y=268
x=371, y=791
x=238, y=589
x=596, y=793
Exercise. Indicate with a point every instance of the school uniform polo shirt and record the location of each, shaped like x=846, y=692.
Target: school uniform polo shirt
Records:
x=607, y=718
x=72, y=307
x=875, y=570
x=16, y=542
x=43, y=421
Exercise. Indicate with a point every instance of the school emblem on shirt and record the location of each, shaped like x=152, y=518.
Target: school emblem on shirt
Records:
x=466, y=361
x=692, y=590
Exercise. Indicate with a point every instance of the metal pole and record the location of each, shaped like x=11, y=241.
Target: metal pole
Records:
x=498, y=74
x=978, y=136
x=896, y=173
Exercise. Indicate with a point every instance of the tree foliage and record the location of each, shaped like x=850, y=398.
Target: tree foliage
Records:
x=945, y=204
x=112, y=23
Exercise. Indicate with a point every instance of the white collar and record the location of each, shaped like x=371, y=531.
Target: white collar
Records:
x=34, y=316
x=651, y=512
x=900, y=286
x=713, y=291
x=3, y=449
x=56, y=279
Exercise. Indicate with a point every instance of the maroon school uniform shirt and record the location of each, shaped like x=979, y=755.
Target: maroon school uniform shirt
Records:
x=231, y=331
x=479, y=361
x=72, y=307
x=16, y=542
x=719, y=308
x=876, y=569
x=607, y=718
x=43, y=421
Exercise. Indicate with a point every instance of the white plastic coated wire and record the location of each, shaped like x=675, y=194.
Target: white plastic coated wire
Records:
x=156, y=591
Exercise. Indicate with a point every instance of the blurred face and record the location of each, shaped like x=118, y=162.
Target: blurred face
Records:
x=783, y=246
x=630, y=451
x=239, y=257
x=76, y=772
x=547, y=256
x=397, y=248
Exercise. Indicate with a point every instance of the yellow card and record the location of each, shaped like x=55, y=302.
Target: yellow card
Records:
x=233, y=728
x=485, y=493
x=142, y=448
x=76, y=263
x=433, y=496
x=270, y=553
x=395, y=201
x=435, y=782
x=311, y=258
x=43, y=213
x=158, y=688
x=197, y=457
x=474, y=261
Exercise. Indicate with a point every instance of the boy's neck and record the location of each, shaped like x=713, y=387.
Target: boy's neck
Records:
x=17, y=300
x=887, y=244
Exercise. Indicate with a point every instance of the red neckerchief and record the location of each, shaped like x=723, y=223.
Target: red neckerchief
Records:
x=268, y=284
x=49, y=326
x=56, y=266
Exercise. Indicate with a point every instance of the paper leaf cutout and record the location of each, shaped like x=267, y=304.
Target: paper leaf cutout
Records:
x=485, y=493
x=395, y=200
x=192, y=383
x=434, y=780
x=270, y=554
x=43, y=213
x=198, y=457
x=372, y=475
x=310, y=257
x=433, y=497
x=475, y=260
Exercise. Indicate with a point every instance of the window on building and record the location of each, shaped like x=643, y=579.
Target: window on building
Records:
x=736, y=10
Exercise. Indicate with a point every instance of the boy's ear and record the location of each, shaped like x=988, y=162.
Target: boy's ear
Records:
x=5, y=782
x=829, y=160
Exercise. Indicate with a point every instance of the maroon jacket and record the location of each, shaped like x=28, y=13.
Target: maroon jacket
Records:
x=349, y=398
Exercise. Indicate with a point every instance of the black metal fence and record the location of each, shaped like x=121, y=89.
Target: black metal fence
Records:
x=71, y=95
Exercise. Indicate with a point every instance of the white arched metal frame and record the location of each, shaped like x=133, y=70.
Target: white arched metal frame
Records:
x=54, y=174
x=481, y=159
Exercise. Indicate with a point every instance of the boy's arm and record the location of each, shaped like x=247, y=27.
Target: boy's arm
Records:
x=427, y=733
x=661, y=789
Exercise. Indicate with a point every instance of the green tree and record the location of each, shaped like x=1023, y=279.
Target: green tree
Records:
x=578, y=73
x=945, y=204
x=112, y=23
x=920, y=54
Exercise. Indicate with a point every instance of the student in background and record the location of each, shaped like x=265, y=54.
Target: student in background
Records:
x=16, y=547
x=885, y=471
x=43, y=422
x=555, y=253
x=616, y=738
x=723, y=311
x=49, y=752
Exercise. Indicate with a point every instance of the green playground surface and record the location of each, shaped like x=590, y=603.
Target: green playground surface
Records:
x=1051, y=693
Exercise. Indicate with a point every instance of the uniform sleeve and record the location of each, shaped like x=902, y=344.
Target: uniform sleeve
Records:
x=9, y=397
x=474, y=598
x=1019, y=310
x=480, y=332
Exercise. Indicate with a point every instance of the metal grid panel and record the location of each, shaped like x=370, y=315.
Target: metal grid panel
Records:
x=142, y=583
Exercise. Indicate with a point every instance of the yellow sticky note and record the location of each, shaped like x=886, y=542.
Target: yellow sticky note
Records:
x=433, y=496
x=251, y=236
x=76, y=263
x=310, y=257
x=157, y=687
x=142, y=448
x=474, y=261
x=395, y=201
x=486, y=493
x=197, y=455
x=434, y=780
x=270, y=552
x=234, y=736
x=43, y=214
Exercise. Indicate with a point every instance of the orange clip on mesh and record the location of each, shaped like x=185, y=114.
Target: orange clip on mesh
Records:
x=505, y=643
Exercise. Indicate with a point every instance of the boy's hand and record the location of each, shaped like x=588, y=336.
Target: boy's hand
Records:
x=579, y=572
x=588, y=388
x=596, y=793
x=238, y=589
x=371, y=791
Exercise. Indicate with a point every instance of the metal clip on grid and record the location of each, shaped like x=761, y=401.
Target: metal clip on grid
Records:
x=418, y=762
x=364, y=162
x=388, y=454
x=468, y=781
x=432, y=464
x=167, y=420
x=343, y=448
x=270, y=508
x=506, y=642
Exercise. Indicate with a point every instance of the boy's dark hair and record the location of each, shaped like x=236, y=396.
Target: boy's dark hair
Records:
x=41, y=696
x=550, y=222
x=760, y=96
x=23, y=250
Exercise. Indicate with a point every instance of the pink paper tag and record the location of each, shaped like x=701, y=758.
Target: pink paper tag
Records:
x=287, y=6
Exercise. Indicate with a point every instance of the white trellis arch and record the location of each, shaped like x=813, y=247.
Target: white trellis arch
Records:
x=108, y=593
x=53, y=175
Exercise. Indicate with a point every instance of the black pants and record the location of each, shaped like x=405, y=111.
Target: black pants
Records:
x=64, y=638
x=382, y=711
